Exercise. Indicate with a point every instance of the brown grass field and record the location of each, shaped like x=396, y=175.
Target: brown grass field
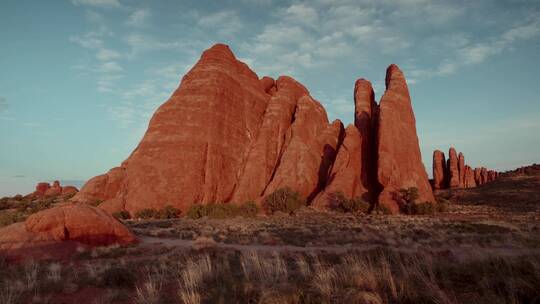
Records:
x=484, y=249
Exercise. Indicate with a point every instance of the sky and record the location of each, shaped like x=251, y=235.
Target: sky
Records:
x=79, y=79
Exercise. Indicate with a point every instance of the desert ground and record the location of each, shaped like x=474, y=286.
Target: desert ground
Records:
x=484, y=248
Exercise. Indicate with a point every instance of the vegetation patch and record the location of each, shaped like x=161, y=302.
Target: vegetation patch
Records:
x=283, y=200
x=223, y=211
x=340, y=203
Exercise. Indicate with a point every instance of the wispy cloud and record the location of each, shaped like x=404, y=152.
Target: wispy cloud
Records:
x=224, y=22
x=139, y=18
x=97, y=3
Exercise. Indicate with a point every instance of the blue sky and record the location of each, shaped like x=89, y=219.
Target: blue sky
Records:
x=79, y=79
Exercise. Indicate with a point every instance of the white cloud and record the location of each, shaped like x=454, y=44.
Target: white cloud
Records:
x=90, y=40
x=97, y=3
x=302, y=13
x=139, y=18
x=109, y=67
x=225, y=22
x=140, y=43
x=104, y=54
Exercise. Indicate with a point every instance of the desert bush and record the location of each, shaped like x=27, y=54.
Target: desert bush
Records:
x=121, y=215
x=339, y=202
x=248, y=209
x=223, y=210
x=408, y=199
x=169, y=212
x=10, y=217
x=283, y=200
x=147, y=213
x=381, y=209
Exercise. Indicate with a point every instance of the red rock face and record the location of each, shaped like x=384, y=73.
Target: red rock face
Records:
x=461, y=170
x=67, y=223
x=439, y=170
x=453, y=171
x=310, y=148
x=399, y=162
x=365, y=110
x=345, y=176
x=484, y=175
x=478, y=176
x=226, y=136
x=265, y=153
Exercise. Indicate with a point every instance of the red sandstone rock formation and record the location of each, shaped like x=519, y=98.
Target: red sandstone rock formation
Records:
x=478, y=176
x=399, y=163
x=469, y=178
x=461, y=170
x=453, y=170
x=45, y=189
x=226, y=136
x=54, y=228
x=484, y=175
x=439, y=170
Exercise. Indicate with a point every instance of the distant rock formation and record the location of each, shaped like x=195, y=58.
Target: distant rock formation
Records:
x=457, y=174
x=226, y=136
x=44, y=189
x=531, y=170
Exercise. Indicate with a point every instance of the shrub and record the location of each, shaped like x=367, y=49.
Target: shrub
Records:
x=339, y=202
x=121, y=215
x=408, y=199
x=8, y=218
x=248, y=209
x=146, y=214
x=196, y=212
x=423, y=208
x=381, y=209
x=223, y=210
x=169, y=212
x=284, y=200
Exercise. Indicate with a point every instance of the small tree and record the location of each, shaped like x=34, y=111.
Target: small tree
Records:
x=408, y=196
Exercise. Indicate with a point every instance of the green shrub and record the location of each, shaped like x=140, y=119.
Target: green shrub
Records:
x=425, y=208
x=147, y=214
x=223, y=210
x=340, y=203
x=169, y=212
x=283, y=200
x=121, y=215
x=408, y=199
x=381, y=209
x=196, y=211
x=248, y=209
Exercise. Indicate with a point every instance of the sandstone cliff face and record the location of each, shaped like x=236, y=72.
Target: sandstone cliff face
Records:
x=399, y=163
x=453, y=171
x=227, y=136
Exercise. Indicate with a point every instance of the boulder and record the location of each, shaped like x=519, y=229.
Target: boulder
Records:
x=41, y=188
x=55, y=228
x=399, y=162
x=439, y=170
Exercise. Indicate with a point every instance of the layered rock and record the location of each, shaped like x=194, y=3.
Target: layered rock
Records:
x=399, y=163
x=67, y=225
x=227, y=136
x=439, y=170
x=469, y=181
